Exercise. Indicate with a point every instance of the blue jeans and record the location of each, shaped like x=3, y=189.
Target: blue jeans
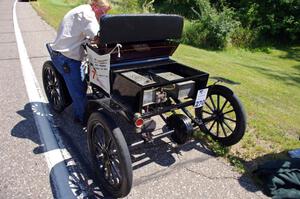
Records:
x=77, y=87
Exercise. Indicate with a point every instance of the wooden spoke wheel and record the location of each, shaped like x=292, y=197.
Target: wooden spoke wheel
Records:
x=223, y=116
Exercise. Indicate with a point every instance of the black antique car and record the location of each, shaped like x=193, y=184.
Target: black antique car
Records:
x=130, y=74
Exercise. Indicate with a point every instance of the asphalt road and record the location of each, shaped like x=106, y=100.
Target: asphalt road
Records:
x=160, y=171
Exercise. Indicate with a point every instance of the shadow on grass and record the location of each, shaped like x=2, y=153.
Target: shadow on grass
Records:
x=292, y=50
x=291, y=53
x=297, y=67
x=225, y=80
x=285, y=77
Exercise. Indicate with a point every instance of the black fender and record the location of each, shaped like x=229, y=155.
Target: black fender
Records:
x=97, y=105
x=228, y=90
x=92, y=106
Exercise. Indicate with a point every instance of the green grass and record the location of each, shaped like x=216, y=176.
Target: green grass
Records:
x=268, y=84
x=53, y=11
x=266, y=81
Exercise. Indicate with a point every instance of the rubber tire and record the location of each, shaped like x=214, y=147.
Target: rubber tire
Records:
x=123, y=154
x=65, y=96
x=240, y=129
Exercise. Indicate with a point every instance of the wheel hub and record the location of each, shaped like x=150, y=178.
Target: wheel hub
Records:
x=51, y=87
x=218, y=115
x=105, y=156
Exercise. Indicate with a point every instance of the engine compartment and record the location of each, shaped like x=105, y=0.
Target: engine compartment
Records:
x=158, y=95
x=144, y=89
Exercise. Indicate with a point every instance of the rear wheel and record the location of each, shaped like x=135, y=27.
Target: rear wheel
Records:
x=223, y=116
x=55, y=88
x=110, y=155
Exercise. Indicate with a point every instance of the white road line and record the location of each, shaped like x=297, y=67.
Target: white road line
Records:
x=54, y=155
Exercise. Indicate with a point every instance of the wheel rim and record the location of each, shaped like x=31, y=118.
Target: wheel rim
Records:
x=106, y=155
x=219, y=116
x=52, y=87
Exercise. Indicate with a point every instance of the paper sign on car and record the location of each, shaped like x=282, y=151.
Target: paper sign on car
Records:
x=201, y=98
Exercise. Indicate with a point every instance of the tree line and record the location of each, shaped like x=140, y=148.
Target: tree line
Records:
x=217, y=24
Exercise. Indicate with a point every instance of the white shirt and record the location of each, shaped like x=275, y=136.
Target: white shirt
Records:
x=77, y=25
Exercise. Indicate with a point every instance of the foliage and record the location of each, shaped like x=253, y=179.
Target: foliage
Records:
x=128, y=6
x=261, y=22
x=217, y=23
x=274, y=20
x=147, y=6
x=211, y=29
x=221, y=151
x=244, y=37
x=186, y=8
x=133, y=6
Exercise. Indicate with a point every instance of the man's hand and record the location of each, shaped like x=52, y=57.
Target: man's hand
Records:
x=96, y=40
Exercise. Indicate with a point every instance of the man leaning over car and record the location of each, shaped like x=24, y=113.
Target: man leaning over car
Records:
x=78, y=25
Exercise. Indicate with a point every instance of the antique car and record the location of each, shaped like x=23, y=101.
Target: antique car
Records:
x=131, y=74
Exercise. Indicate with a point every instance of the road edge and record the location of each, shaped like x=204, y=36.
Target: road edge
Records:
x=55, y=156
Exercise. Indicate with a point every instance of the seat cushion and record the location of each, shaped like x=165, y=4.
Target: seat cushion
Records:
x=139, y=28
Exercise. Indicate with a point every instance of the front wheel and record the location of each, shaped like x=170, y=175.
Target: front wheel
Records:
x=223, y=116
x=110, y=155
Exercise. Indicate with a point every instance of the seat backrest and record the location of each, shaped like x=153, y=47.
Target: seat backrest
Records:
x=139, y=28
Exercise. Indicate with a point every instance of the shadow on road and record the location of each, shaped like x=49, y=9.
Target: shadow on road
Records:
x=163, y=152
x=80, y=177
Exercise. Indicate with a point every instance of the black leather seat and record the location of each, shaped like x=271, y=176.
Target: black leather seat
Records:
x=139, y=28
